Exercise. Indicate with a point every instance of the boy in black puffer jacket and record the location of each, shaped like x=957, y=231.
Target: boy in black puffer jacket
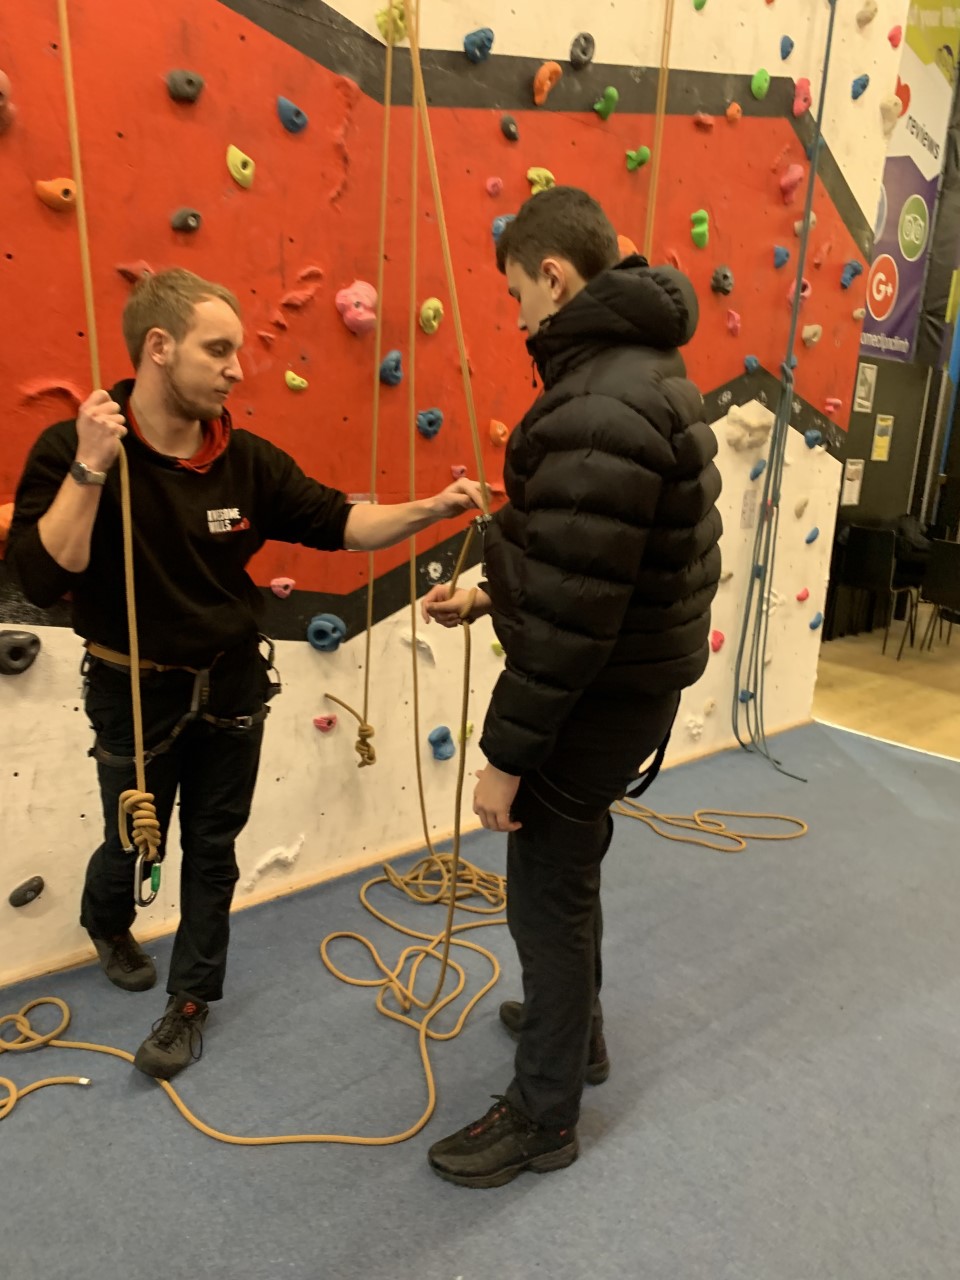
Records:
x=601, y=571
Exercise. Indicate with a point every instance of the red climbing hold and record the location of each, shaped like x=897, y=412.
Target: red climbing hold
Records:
x=716, y=640
x=279, y=319
x=324, y=723
x=704, y=122
x=458, y=472
x=134, y=271
x=803, y=595
x=310, y=273
x=895, y=36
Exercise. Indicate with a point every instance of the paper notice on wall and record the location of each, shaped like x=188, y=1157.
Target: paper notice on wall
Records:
x=748, y=512
x=852, y=482
x=882, y=435
x=866, y=387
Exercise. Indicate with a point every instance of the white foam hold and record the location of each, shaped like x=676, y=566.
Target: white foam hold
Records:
x=749, y=426
x=281, y=856
x=695, y=728
x=434, y=570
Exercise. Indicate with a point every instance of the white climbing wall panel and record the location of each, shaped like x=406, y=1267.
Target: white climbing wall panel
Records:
x=730, y=37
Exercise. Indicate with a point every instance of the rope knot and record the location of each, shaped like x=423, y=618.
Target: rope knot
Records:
x=365, y=748
x=139, y=806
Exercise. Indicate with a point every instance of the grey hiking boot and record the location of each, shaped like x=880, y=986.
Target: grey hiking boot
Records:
x=176, y=1039
x=125, y=963
x=598, y=1063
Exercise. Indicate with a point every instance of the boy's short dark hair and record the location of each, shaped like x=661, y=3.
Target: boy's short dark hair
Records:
x=564, y=221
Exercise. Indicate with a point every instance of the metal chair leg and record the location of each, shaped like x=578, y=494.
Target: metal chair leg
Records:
x=927, y=641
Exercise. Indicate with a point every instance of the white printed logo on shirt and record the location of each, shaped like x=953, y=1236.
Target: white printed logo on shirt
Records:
x=227, y=520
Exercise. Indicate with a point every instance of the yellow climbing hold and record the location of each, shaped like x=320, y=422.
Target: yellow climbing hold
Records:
x=241, y=167
x=497, y=648
x=294, y=381
x=469, y=733
x=392, y=21
x=540, y=180
x=431, y=313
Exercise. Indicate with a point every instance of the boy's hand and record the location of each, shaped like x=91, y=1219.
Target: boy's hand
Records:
x=493, y=797
x=440, y=606
x=462, y=495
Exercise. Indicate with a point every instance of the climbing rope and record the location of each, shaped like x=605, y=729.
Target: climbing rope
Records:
x=137, y=803
x=749, y=683
x=706, y=823
x=663, y=79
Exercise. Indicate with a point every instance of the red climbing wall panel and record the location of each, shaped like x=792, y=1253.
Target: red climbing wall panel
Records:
x=314, y=202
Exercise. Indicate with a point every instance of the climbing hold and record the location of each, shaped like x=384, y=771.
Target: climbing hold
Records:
x=6, y=520
x=546, y=78
x=806, y=288
x=811, y=334
x=266, y=337
x=134, y=272
x=722, y=281
x=895, y=35
x=431, y=313
x=801, y=507
x=859, y=313
x=326, y=631
x=497, y=648
x=324, y=723
x=702, y=121
x=673, y=258
x=294, y=381
x=758, y=572
x=816, y=622
x=297, y=299
x=508, y=127
x=821, y=143
x=18, y=651
x=291, y=117
x=812, y=536
x=391, y=369
x=429, y=422
x=467, y=734
x=859, y=87
x=746, y=695
x=500, y=225
x=59, y=194
x=822, y=254
x=626, y=247
x=758, y=468
x=699, y=5
x=478, y=44
x=281, y=587
x=781, y=256
x=851, y=270
x=832, y=405
x=802, y=97
x=357, y=305
x=28, y=891
x=310, y=273
x=441, y=743
x=392, y=21
x=695, y=725
x=540, y=180
x=186, y=220
x=494, y=187
x=458, y=471
x=8, y=112
x=760, y=84
x=710, y=706
x=582, y=50
x=786, y=47
x=751, y=364
x=734, y=113
x=700, y=228
x=726, y=575
x=891, y=110
x=733, y=323
x=798, y=225
x=241, y=167
x=498, y=432
x=813, y=436
x=184, y=86
x=789, y=182
x=803, y=595
x=606, y=105
x=637, y=159
x=867, y=14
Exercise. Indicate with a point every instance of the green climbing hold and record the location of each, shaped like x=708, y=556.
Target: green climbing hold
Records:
x=699, y=4
x=392, y=21
x=637, y=159
x=607, y=105
x=700, y=228
x=760, y=84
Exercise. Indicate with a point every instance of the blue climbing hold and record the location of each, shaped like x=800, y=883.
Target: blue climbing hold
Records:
x=816, y=622
x=746, y=695
x=326, y=631
x=429, y=422
x=441, y=743
x=391, y=369
x=758, y=572
x=291, y=117
x=781, y=256
x=477, y=44
x=808, y=148
x=758, y=468
x=751, y=364
x=813, y=437
x=851, y=270
x=813, y=535
x=500, y=225
x=859, y=87
x=786, y=47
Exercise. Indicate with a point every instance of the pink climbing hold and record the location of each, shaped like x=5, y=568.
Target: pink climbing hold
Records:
x=281, y=587
x=733, y=323
x=895, y=36
x=324, y=723
x=790, y=181
x=803, y=595
x=716, y=640
x=357, y=305
x=458, y=472
x=802, y=98
x=494, y=187
x=806, y=288
x=135, y=271
x=704, y=122
x=832, y=404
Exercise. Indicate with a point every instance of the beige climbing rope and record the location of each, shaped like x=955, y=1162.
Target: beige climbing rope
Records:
x=663, y=80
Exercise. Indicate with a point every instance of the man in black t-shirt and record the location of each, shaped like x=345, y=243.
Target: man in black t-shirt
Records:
x=205, y=498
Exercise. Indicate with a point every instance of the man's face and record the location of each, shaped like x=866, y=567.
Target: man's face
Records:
x=201, y=371
x=538, y=298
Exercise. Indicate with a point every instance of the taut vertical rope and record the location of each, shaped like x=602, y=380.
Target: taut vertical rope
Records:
x=662, y=83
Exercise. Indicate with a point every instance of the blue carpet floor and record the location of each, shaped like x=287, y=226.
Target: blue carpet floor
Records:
x=784, y=1028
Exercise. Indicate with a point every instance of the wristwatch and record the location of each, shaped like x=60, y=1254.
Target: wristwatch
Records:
x=83, y=474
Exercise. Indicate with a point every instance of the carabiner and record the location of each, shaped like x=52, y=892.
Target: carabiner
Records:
x=141, y=899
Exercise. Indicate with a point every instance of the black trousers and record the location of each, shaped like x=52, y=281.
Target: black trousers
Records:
x=553, y=894
x=215, y=770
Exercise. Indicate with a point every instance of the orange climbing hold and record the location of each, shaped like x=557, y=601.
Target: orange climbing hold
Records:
x=498, y=432
x=296, y=299
x=59, y=194
x=734, y=112
x=6, y=519
x=545, y=80
x=704, y=122
x=626, y=246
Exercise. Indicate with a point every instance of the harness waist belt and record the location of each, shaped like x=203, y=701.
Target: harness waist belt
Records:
x=123, y=659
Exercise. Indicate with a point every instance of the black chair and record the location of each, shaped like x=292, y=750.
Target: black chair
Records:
x=941, y=588
x=869, y=563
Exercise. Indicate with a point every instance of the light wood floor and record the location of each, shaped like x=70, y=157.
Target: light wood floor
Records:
x=915, y=701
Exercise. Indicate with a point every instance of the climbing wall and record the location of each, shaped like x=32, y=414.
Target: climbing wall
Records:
x=296, y=224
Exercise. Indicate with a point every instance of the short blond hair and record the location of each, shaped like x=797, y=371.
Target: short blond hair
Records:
x=166, y=300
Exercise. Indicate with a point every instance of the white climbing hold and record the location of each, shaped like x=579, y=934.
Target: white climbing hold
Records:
x=423, y=647
x=695, y=728
x=280, y=856
x=801, y=507
x=434, y=570
x=798, y=225
x=859, y=313
x=710, y=706
x=891, y=109
x=811, y=334
x=867, y=14
x=726, y=575
x=749, y=425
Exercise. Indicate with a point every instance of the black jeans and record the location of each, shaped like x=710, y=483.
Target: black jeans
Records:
x=215, y=770
x=553, y=894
